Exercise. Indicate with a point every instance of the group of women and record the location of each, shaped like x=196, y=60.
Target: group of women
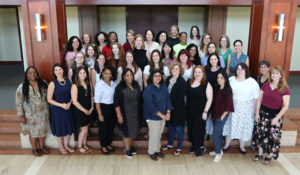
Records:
x=176, y=80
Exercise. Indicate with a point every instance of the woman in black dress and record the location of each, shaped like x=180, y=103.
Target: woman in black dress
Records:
x=264, y=68
x=141, y=56
x=199, y=98
x=127, y=102
x=82, y=98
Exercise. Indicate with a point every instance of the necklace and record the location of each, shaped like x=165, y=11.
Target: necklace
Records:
x=62, y=83
x=85, y=92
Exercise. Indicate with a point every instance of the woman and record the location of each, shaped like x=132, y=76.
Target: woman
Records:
x=236, y=57
x=173, y=38
x=33, y=110
x=112, y=37
x=183, y=59
x=86, y=40
x=90, y=55
x=206, y=38
x=155, y=63
x=117, y=55
x=199, y=95
x=273, y=102
x=176, y=87
x=59, y=96
x=221, y=106
x=130, y=64
x=127, y=103
x=240, y=122
x=167, y=54
x=150, y=45
x=211, y=48
x=224, y=48
x=101, y=40
x=79, y=61
x=74, y=45
x=194, y=54
x=182, y=45
x=98, y=67
x=157, y=109
x=161, y=38
x=82, y=98
x=264, y=68
x=194, y=36
x=141, y=56
x=129, y=45
x=104, y=99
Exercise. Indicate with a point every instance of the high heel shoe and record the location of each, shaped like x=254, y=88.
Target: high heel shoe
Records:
x=243, y=152
x=225, y=149
x=63, y=152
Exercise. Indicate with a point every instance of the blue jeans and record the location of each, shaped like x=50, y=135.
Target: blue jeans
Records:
x=172, y=132
x=218, y=133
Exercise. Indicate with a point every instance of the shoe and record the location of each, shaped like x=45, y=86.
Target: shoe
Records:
x=200, y=152
x=111, y=148
x=82, y=150
x=63, y=152
x=192, y=150
x=243, y=152
x=36, y=153
x=153, y=157
x=267, y=160
x=103, y=152
x=225, y=149
x=177, y=152
x=44, y=150
x=128, y=153
x=257, y=158
x=218, y=158
x=165, y=148
x=213, y=153
x=70, y=150
x=160, y=154
x=133, y=151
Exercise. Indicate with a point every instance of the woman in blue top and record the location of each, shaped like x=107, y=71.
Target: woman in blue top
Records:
x=157, y=108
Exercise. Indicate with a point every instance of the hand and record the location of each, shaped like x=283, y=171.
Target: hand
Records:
x=86, y=112
x=168, y=116
x=120, y=119
x=91, y=111
x=257, y=118
x=163, y=116
x=274, y=121
x=101, y=118
x=23, y=119
x=204, y=116
x=65, y=106
x=222, y=118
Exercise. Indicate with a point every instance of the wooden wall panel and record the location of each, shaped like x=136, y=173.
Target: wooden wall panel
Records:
x=88, y=20
x=216, y=25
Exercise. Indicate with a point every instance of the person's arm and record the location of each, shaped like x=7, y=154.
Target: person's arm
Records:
x=93, y=78
x=247, y=62
x=209, y=96
x=50, y=92
x=139, y=75
x=97, y=98
x=148, y=54
x=228, y=63
x=145, y=78
x=284, y=108
x=19, y=104
x=224, y=115
x=119, y=75
x=74, y=95
x=258, y=104
x=169, y=106
x=117, y=104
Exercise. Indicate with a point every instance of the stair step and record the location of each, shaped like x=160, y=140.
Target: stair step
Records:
x=10, y=141
x=290, y=124
x=293, y=113
x=10, y=127
x=9, y=116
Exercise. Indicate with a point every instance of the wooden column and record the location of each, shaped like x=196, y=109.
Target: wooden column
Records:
x=262, y=44
x=88, y=20
x=44, y=54
x=216, y=25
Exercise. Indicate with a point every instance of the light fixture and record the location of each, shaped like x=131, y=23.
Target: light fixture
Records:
x=280, y=27
x=39, y=27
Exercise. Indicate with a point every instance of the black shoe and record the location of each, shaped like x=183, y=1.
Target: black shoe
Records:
x=153, y=157
x=133, y=151
x=160, y=154
x=243, y=152
x=224, y=150
x=105, y=153
x=192, y=150
x=112, y=149
x=200, y=152
x=128, y=153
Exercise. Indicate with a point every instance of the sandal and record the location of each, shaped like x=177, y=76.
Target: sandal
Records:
x=36, y=153
x=177, y=152
x=257, y=158
x=87, y=148
x=267, y=160
x=111, y=148
x=44, y=150
x=82, y=150
x=63, y=152
x=70, y=150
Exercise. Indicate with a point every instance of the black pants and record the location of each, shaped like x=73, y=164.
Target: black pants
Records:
x=106, y=128
x=196, y=129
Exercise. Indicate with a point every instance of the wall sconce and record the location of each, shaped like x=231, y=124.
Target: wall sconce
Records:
x=39, y=27
x=279, y=28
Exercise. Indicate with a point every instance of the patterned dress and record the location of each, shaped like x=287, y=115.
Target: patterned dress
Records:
x=36, y=112
x=234, y=61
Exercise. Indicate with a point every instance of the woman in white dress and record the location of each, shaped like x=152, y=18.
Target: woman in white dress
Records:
x=184, y=60
x=150, y=45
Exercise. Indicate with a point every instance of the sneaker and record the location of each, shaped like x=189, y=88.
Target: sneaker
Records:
x=133, y=151
x=192, y=150
x=213, y=153
x=218, y=158
x=128, y=153
x=165, y=148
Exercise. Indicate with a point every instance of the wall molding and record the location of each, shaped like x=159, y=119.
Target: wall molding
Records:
x=295, y=72
x=10, y=62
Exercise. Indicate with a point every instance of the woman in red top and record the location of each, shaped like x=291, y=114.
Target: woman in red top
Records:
x=274, y=99
x=112, y=37
x=129, y=45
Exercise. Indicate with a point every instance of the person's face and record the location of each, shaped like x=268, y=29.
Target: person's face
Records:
x=115, y=49
x=264, y=69
x=113, y=37
x=275, y=75
x=193, y=51
x=162, y=37
x=58, y=71
x=129, y=58
x=128, y=77
x=174, y=31
x=220, y=80
x=183, y=38
x=90, y=51
x=198, y=74
x=155, y=57
x=31, y=74
x=70, y=63
x=79, y=58
x=157, y=78
x=86, y=38
x=101, y=60
x=206, y=39
x=238, y=47
x=82, y=75
x=167, y=49
x=130, y=37
x=139, y=42
x=223, y=42
x=101, y=38
x=175, y=71
x=183, y=58
x=75, y=43
x=213, y=60
x=194, y=31
x=149, y=36
x=211, y=48
x=240, y=71
x=107, y=75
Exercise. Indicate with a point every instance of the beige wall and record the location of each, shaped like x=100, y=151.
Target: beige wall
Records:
x=295, y=62
x=22, y=39
x=72, y=21
x=9, y=36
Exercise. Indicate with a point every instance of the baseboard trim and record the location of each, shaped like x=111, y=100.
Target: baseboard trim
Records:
x=294, y=72
x=11, y=62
